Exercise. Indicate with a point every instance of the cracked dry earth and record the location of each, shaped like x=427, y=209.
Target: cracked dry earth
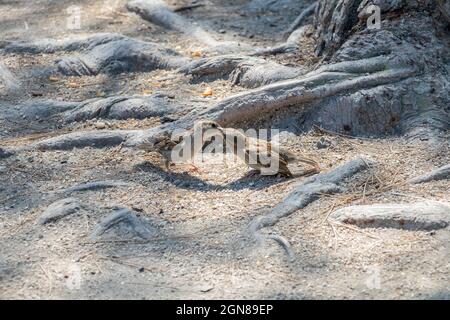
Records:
x=199, y=248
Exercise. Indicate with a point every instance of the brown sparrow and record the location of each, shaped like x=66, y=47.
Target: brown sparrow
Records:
x=171, y=145
x=260, y=154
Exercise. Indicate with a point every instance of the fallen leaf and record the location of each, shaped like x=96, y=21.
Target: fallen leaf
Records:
x=208, y=92
x=73, y=85
x=196, y=53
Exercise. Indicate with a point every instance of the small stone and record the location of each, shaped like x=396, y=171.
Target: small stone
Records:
x=100, y=125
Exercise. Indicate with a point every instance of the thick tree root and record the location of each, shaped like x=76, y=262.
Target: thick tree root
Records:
x=248, y=72
x=429, y=215
x=93, y=186
x=442, y=173
x=104, y=53
x=94, y=139
x=126, y=55
x=327, y=81
x=45, y=114
x=127, y=223
x=124, y=107
x=60, y=209
x=300, y=20
x=113, y=53
x=306, y=193
x=314, y=86
x=157, y=12
x=74, y=43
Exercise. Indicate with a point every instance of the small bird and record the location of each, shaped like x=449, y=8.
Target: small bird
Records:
x=163, y=144
x=169, y=146
x=200, y=135
x=261, y=155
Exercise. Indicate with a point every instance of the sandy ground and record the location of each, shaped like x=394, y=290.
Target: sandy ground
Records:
x=201, y=251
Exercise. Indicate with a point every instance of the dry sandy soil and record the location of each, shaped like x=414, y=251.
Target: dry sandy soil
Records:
x=201, y=251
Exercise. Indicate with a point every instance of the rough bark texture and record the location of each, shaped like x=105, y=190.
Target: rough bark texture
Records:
x=412, y=32
x=248, y=72
x=103, y=53
x=44, y=115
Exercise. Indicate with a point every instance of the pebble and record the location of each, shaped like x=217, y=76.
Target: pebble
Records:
x=100, y=125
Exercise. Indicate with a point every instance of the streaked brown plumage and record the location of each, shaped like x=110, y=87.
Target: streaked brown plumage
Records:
x=164, y=144
x=256, y=153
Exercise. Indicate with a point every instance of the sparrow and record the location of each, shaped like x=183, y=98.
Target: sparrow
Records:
x=259, y=154
x=161, y=143
x=169, y=145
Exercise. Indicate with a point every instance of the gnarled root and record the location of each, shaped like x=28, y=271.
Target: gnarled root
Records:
x=157, y=12
x=326, y=81
x=304, y=194
x=248, y=72
x=103, y=53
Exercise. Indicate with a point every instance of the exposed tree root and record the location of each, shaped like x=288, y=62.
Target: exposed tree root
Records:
x=376, y=83
x=104, y=53
x=300, y=20
x=96, y=185
x=248, y=72
x=157, y=12
x=74, y=43
x=123, y=107
x=94, y=139
x=60, y=209
x=428, y=215
x=442, y=173
x=8, y=82
x=319, y=84
x=45, y=114
x=113, y=53
x=322, y=83
x=305, y=193
x=128, y=219
x=126, y=55
x=284, y=243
